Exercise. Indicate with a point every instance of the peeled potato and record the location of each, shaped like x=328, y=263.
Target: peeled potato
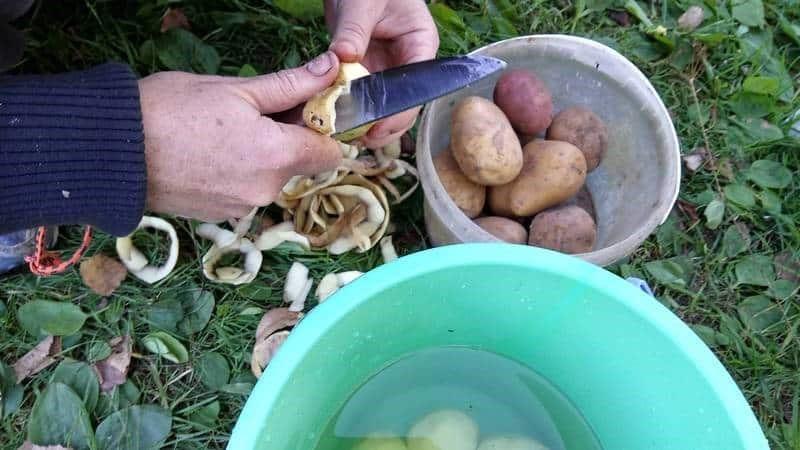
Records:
x=553, y=172
x=567, y=229
x=468, y=196
x=483, y=142
x=319, y=113
x=380, y=442
x=583, y=129
x=504, y=229
x=446, y=429
x=525, y=100
x=511, y=443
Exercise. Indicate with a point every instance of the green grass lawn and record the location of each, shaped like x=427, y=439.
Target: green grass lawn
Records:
x=727, y=262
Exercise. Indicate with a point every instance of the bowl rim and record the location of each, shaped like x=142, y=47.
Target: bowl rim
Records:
x=603, y=256
x=249, y=426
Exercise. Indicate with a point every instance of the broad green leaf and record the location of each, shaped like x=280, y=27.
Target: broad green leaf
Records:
x=745, y=104
x=782, y=289
x=59, y=418
x=240, y=385
x=179, y=49
x=756, y=270
x=748, y=12
x=164, y=345
x=301, y=9
x=2, y=309
x=121, y=397
x=761, y=85
x=80, y=377
x=673, y=272
x=790, y=29
x=769, y=174
x=99, y=350
x=114, y=312
x=10, y=392
x=759, y=130
x=147, y=52
x=255, y=291
x=135, y=428
x=741, y=195
x=710, y=336
x=736, y=240
x=251, y=311
x=206, y=416
x=197, y=307
x=714, y=213
x=247, y=71
x=213, y=370
x=447, y=18
x=40, y=317
x=165, y=314
x=770, y=201
x=759, y=313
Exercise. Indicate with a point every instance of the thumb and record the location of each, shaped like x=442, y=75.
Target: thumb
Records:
x=279, y=91
x=306, y=151
x=353, y=27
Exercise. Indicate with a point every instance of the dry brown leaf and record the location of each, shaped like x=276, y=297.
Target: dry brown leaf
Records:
x=696, y=159
x=691, y=19
x=174, y=18
x=276, y=319
x=28, y=445
x=38, y=358
x=102, y=274
x=265, y=350
x=113, y=371
x=787, y=266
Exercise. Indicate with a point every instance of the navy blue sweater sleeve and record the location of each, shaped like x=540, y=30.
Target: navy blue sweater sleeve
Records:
x=72, y=150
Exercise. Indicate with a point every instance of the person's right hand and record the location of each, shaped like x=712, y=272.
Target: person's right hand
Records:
x=211, y=152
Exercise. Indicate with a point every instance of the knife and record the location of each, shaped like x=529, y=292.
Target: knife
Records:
x=395, y=90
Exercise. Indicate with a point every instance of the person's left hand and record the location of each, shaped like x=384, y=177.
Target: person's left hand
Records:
x=381, y=34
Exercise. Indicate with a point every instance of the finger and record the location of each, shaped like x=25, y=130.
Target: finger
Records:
x=288, y=88
x=355, y=20
x=389, y=129
x=293, y=116
x=306, y=152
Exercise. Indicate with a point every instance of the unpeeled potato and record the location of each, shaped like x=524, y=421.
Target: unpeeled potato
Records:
x=468, y=196
x=583, y=129
x=525, y=100
x=567, y=229
x=483, y=142
x=583, y=199
x=504, y=229
x=552, y=172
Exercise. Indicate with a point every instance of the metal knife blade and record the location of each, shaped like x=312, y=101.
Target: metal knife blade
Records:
x=395, y=90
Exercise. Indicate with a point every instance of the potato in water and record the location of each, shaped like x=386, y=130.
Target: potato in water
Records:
x=447, y=429
x=483, y=142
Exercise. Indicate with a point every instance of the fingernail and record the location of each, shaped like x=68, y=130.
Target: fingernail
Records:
x=321, y=64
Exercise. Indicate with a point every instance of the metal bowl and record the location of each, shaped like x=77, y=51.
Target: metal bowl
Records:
x=637, y=183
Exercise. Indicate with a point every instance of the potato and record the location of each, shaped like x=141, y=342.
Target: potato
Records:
x=583, y=199
x=510, y=443
x=483, y=142
x=567, y=229
x=468, y=196
x=525, y=100
x=552, y=172
x=377, y=441
x=583, y=129
x=446, y=429
x=504, y=229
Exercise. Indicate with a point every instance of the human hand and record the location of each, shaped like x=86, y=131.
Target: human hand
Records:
x=211, y=152
x=381, y=34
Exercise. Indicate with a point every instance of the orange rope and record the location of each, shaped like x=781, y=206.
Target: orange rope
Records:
x=45, y=263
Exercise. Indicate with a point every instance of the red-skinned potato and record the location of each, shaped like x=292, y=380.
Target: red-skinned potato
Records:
x=484, y=143
x=506, y=230
x=583, y=199
x=583, y=129
x=468, y=196
x=567, y=229
x=525, y=100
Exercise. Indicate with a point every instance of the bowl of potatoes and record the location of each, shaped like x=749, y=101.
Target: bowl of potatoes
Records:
x=570, y=149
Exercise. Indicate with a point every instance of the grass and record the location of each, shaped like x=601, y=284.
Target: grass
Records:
x=715, y=272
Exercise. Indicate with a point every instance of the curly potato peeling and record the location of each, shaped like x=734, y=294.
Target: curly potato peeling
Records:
x=320, y=111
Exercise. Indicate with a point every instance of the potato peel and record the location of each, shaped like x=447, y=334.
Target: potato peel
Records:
x=136, y=262
x=270, y=335
x=319, y=112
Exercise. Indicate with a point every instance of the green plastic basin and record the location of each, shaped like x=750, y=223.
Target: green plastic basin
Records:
x=642, y=379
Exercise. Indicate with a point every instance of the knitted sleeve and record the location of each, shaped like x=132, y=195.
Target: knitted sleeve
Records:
x=72, y=150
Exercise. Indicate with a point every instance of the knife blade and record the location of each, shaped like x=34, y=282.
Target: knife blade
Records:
x=395, y=90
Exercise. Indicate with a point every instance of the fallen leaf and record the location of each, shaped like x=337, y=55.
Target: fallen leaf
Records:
x=174, y=18
x=27, y=445
x=113, y=370
x=696, y=159
x=691, y=19
x=102, y=274
x=621, y=18
x=788, y=266
x=38, y=358
x=276, y=319
x=688, y=209
x=726, y=169
x=265, y=350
